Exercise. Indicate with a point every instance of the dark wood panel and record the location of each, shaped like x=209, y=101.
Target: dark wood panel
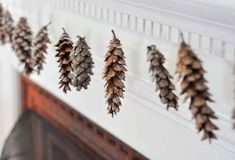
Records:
x=19, y=144
x=34, y=138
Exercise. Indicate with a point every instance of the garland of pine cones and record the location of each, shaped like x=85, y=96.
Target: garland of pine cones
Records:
x=114, y=75
x=162, y=77
x=193, y=84
x=76, y=66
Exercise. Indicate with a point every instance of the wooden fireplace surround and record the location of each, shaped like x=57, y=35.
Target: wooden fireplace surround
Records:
x=94, y=139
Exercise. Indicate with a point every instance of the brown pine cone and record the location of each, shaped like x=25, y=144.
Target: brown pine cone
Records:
x=22, y=44
x=193, y=84
x=40, y=48
x=161, y=77
x=114, y=75
x=64, y=47
x=6, y=30
x=82, y=64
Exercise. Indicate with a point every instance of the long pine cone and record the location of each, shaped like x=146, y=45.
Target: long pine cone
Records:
x=6, y=30
x=64, y=47
x=40, y=45
x=193, y=84
x=82, y=64
x=22, y=44
x=162, y=78
x=114, y=75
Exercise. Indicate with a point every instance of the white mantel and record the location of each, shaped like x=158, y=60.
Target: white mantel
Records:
x=142, y=122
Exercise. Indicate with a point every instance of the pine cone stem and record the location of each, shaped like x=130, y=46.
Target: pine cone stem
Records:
x=82, y=38
x=114, y=35
x=48, y=24
x=64, y=30
x=182, y=37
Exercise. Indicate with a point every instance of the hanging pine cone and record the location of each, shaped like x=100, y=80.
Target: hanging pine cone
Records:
x=22, y=44
x=6, y=30
x=64, y=47
x=40, y=47
x=82, y=64
x=190, y=70
x=162, y=77
x=114, y=75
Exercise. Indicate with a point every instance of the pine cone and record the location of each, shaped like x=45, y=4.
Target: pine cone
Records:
x=82, y=64
x=190, y=70
x=40, y=48
x=114, y=75
x=22, y=44
x=64, y=47
x=6, y=30
x=162, y=77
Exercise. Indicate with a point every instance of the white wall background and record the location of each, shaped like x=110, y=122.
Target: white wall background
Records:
x=9, y=88
x=143, y=122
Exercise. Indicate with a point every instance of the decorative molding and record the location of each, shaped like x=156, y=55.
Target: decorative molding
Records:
x=203, y=30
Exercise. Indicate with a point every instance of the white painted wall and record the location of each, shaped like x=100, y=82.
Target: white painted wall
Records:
x=9, y=87
x=143, y=122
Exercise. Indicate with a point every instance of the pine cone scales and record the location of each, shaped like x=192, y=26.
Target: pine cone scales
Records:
x=114, y=75
x=6, y=30
x=82, y=64
x=190, y=70
x=162, y=78
x=40, y=44
x=64, y=47
x=22, y=44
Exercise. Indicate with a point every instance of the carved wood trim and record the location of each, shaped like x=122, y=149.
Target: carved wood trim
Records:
x=96, y=141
